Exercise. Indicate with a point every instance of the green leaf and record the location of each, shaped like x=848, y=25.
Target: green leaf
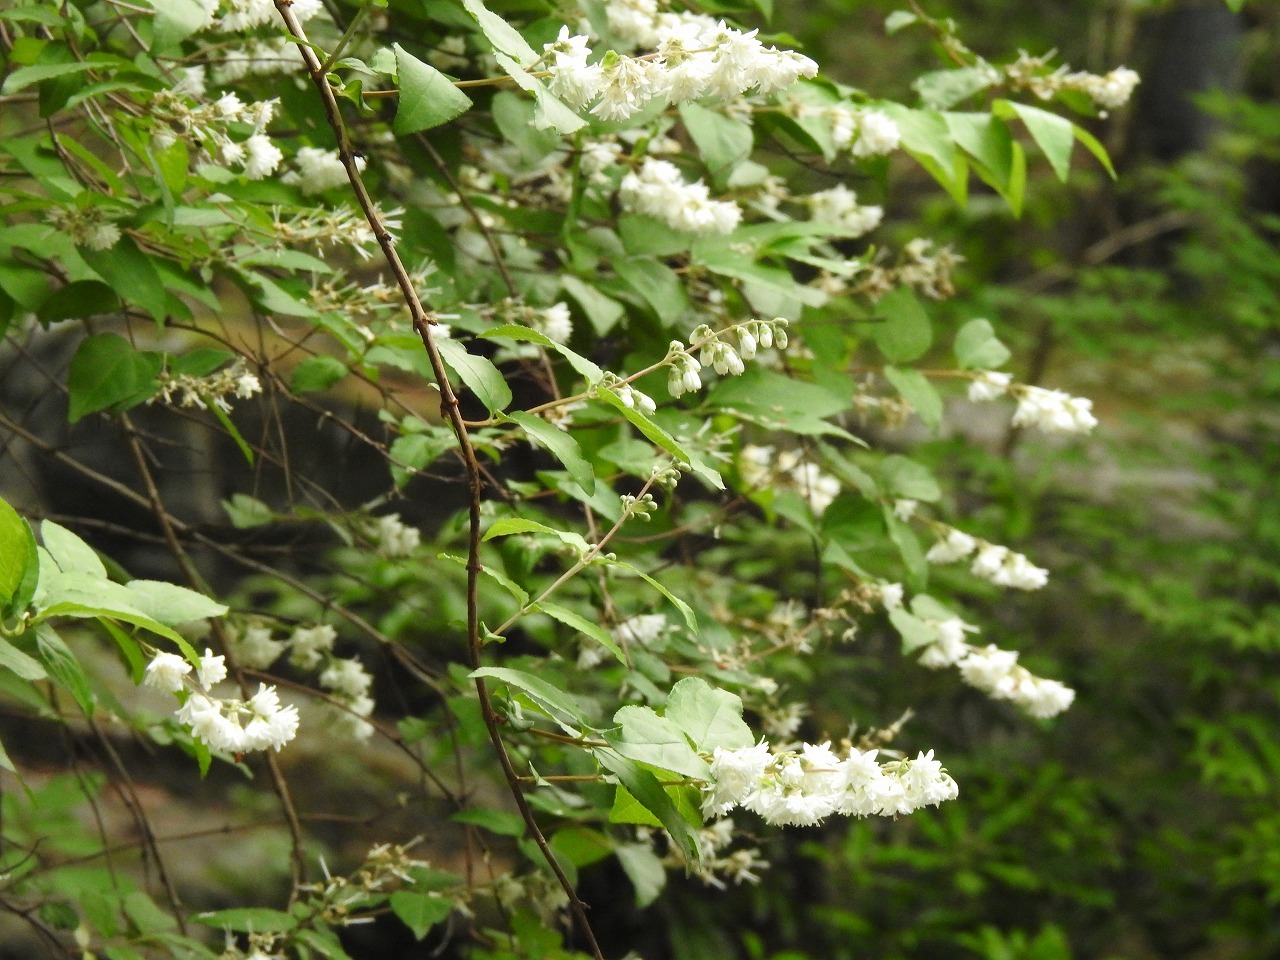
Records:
x=899, y=20
x=555, y=702
x=427, y=97
x=414, y=451
x=663, y=439
x=919, y=392
x=561, y=445
x=648, y=738
x=915, y=632
x=175, y=20
x=690, y=620
x=603, y=312
x=1053, y=134
x=908, y=548
x=943, y=89
x=171, y=604
x=709, y=717
x=223, y=418
x=245, y=512
x=75, y=301
x=926, y=137
x=131, y=274
x=506, y=526
x=64, y=669
x=1092, y=144
x=420, y=911
x=502, y=822
x=84, y=596
x=648, y=791
x=999, y=159
x=129, y=648
x=69, y=552
x=977, y=347
x=504, y=37
x=24, y=77
x=316, y=374
x=627, y=809
x=590, y=371
x=582, y=625
x=904, y=478
x=723, y=141
x=905, y=333
x=550, y=112
x=643, y=868
x=18, y=560
x=657, y=284
x=249, y=920
x=108, y=372
x=14, y=660
x=478, y=373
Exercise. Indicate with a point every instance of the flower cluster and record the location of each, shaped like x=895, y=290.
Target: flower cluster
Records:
x=1052, y=411
x=212, y=390
x=319, y=170
x=696, y=56
x=642, y=630
x=260, y=58
x=919, y=266
x=350, y=683
x=216, y=128
x=332, y=226
x=90, y=226
x=996, y=672
x=393, y=537
x=659, y=190
x=839, y=206
x=805, y=786
x=722, y=350
x=864, y=133
x=234, y=16
x=1109, y=91
x=764, y=467
x=631, y=397
x=229, y=725
x=991, y=562
x=718, y=864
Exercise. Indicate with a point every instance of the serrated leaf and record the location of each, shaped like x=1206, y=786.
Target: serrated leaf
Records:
x=905, y=332
x=978, y=348
x=131, y=274
x=506, y=526
x=316, y=374
x=17, y=558
x=686, y=611
x=550, y=113
x=171, y=604
x=249, y=920
x=63, y=667
x=560, y=445
x=582, y=625
x=478, y=373
x=1092, y=144
x=109, y=372
x=663, y=439
x=69, y=552
x=648, y=791
x=709, y=717
x=504, y=37
x=908, y=548
x=427, y=97
x=557, y=703
x=919, y=392
x=590, y=371
x=1054, y=135
x=420, y=911
x=722, y=141
x=905, y=478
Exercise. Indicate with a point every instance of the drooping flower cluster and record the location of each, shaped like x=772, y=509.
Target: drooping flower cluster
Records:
x=864, y=133
x=997, y=673
x=991, y=562
x=1109, y=91
x=941, y=638
x=214, y=390
x=630, y=396
x=218, y=128
x=659, y=190
x=1052, y=411
x=696, y=56
x=235, y=16
x=719, y=865
x=723, y=350
x=805, y=786
x=839, y=206
x=349, y=683
x=764, y=467
x=229, y=725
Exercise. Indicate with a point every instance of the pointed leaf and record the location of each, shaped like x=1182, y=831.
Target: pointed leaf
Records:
x=709, y=717
x=478, y=373
x=427, y=97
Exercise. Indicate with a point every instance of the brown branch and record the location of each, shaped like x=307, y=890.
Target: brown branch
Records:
x=422, y=324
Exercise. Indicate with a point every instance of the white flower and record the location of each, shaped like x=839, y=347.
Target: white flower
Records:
x=659, y=190
x=877, y=134
x=394, y=538
x=348, y=678
x=1053, y=411
x=891, y=595
x=1114, y=89
x=319, y=170
x=166, y=672
x=839, y=207
x=734, y=774
x=990, y=669
x=988, y=385
x=261, y=156
x=627, y=86
x=308, y=643
x=573, y=80
x=212, y=669
x=949, y=646
x=904, y=510
x=1045, y=698
x=642, y=629
x=254, y=648
x=555, y=323
x=956, y=546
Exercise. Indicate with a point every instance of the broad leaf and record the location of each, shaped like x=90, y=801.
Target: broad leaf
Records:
x=919, y=392
x=977, y=347
x=478, y=373
x=709, y=717
x=560, y=445
x=109, y=372
x=427, y=97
